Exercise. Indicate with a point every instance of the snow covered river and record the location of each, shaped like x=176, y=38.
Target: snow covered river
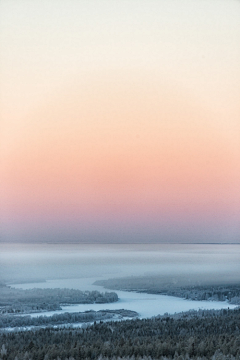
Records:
x=147, y=305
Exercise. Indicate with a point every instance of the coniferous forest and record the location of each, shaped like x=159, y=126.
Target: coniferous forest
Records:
x=206, y=334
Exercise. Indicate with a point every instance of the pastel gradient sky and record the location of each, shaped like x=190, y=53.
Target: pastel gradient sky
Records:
x=120, y=120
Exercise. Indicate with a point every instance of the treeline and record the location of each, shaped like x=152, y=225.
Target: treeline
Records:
x=14, y=321
x=173, y=287
x=203, y=336
x=19, y=301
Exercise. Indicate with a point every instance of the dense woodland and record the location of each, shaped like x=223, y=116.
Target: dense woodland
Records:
x=34, y=300
x=175, y=287
x=196, y=335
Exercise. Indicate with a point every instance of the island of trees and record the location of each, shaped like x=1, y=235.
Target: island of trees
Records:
x=14, y=300
x=8, y=321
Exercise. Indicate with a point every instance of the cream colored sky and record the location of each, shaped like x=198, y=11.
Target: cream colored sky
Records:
x=46, y=45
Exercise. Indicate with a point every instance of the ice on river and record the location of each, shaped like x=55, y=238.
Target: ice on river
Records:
x=146, y=305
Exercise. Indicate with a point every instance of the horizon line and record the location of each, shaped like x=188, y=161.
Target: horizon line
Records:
x=121, y=243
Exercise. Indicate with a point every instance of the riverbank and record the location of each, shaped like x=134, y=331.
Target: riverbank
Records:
x=178, y=286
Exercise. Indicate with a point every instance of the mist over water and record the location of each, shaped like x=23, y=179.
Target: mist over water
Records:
x=38, y=262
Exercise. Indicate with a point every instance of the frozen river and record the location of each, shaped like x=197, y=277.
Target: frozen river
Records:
x=77, y=266
x=146, y=305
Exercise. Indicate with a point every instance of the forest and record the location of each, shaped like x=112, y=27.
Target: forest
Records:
x=14, y=300
x=206, y=334
x=179, y=287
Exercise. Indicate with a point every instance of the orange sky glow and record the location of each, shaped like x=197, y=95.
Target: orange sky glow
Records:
x=124, y=135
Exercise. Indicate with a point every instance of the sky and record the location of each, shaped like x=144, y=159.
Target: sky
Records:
x=120, y=121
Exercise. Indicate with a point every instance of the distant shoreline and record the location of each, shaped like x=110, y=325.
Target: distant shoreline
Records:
x=113, y=243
